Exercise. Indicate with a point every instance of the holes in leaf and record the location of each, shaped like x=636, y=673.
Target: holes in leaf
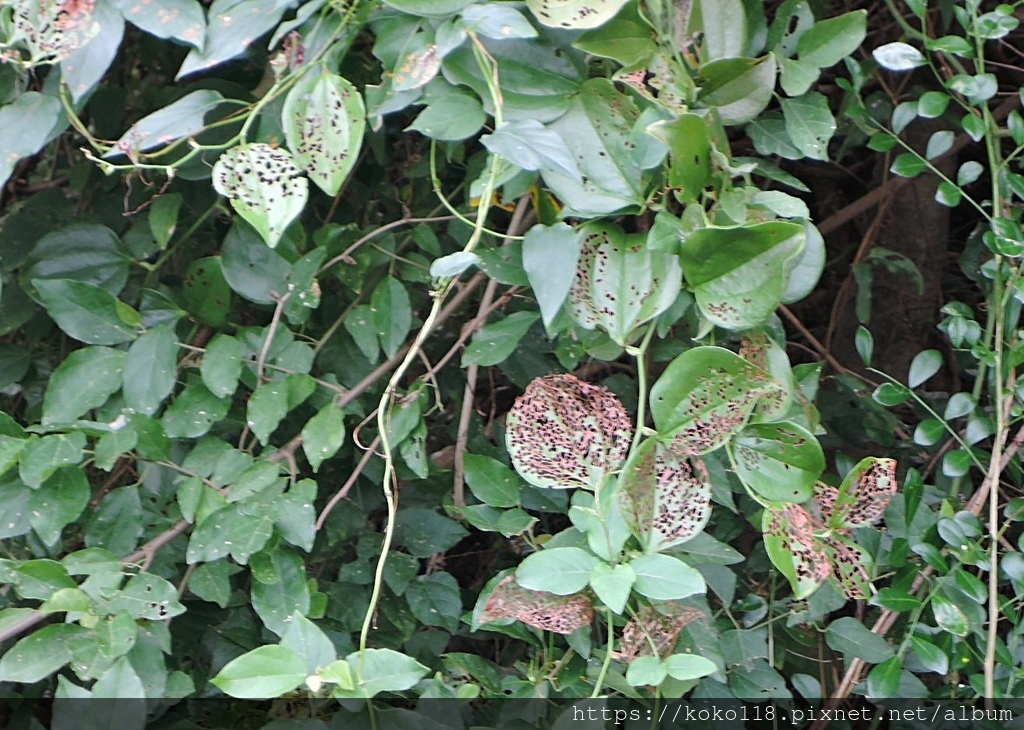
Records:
x=545, y=611
x=565, y=433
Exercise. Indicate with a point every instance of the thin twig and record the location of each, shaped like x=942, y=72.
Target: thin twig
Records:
x=346, y=255
x=275, y=322
x=347, y=486
x=468, y=393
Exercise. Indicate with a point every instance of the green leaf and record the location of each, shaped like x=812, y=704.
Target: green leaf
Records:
x=324, y=121
x=597, y=130
x=494, y=343
x=87, y=312
x=898, y=57
x=531, y=146
x=623, y=39
x=151, y=369
x=949, y=616
x=930, y=656
x=690, y=149
x=435, y=600
x=612, y=584
x=39, y=654
x=383, y=670
x=809, y=124
x=560, y=570
x=265, y=672
x=267, y=406
x=280, y=591
x=232, y=25
x=424, y=532
x=724, y=23
x=704, y=396
x=686, y=667
x=83, y=252
x=229, y=531
x=739, y=89
x=10, y=450
x=85, y=380
x=884, y=679
x=323, y=435
x=307, y=640
x=264, y=186
x=222, y=365
x=212, y=582
x=391, y=314
x=959, y=405
x=253, y=270
x=58, y=502
x=115, y=524
x=576, y=14
x=491, y=481
x=83, y=69
x=780, y=461
x=796, y=77
x=183, y=118
x=646, y=670
x=206, y=292
x=181, y=20
x=831, y=40
x=429, y=8
x=851, y=637
x=738, y=275
x=449, y=118
x=923, y=367
x=664, y=498
x=43, y=456
x=40, y=579
x=550, y=255
x=497, y=21
x=664, y=578
x=147, y=596
x=620, y=284
x=36, y=118
x=193, y=412
x=896, y=600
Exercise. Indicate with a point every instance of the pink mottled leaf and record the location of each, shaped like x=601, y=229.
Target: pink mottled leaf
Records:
x=655, y=629
x=546, y=611
x=705, y=396
x=794, y=549
x=665, y=498
x=862, y=497
x=564, y=433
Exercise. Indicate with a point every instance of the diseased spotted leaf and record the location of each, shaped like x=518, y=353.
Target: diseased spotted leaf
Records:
x=704, y=396
x=862, y=497
x=545, y=611
x=324, y=120
x=851, y=566
x=419, y=63
x=264, y=185
x=620, y=283
x=575, y=14
x=656, y=628
x=564, y=433
x=792, y=546
x=54, y=29
x=759, y=350
x=665, y=498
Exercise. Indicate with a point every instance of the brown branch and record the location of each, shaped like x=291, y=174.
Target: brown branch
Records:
x=146, y=553
x=349, y=483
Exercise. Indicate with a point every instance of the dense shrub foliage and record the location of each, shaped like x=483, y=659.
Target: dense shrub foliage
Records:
x=440, y=348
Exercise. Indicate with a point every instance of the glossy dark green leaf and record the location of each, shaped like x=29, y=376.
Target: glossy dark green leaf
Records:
x=491, y=481
x=265, y=672
x=87, y=312
x=58, y=502
x=222, y=365
x=42, y=456
x=85, y=380
x=150, y=370
x=193, y=412
x=391, y=314
x=252, y=269
x=832, y=39
x=494, y=343
x=435, y=600
x=323, y=435
x=206, y=292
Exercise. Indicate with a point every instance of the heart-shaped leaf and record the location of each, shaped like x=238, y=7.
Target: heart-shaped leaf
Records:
x=264, y=185
x=779, y=461
x=704, y=396
x=739, y=275
x=620, y=283
x=564, y=433
x=324, y=120
x=665, y=498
